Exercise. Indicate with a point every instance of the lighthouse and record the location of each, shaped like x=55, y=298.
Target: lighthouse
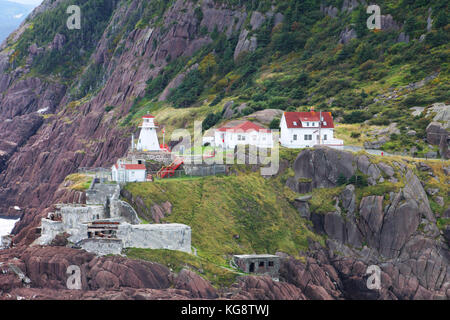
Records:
x=148, y=140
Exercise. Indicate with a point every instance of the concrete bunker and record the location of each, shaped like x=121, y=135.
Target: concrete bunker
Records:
x=106, y=225
x=258, y=264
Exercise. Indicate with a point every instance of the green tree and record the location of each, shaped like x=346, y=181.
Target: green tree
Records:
x=441, y=20
x=274, y=124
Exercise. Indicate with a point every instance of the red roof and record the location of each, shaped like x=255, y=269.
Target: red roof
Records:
x=132, y=166
x=312, y=116
x=148, y=116
x=244, y=127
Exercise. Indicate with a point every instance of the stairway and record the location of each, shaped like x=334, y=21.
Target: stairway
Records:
x=169, y=171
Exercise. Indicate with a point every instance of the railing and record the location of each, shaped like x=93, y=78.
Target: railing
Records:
x=195, y=171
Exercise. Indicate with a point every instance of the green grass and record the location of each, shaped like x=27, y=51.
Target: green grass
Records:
x=322, y=200
x=442, y=223
x=219, y=276
x=79, y=182
x=231, y=215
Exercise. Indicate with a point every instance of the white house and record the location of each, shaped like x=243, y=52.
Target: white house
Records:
x=308, y=129
x=148, y=139
x=208, y=137
x=246, y=133
x=128, y=172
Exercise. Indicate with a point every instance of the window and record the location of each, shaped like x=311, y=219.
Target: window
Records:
x=307, y=124
x=261, y=264
x=295, y=137
x=308, y=136
x=324, y=123
x=295, y=123
x=324, y=137
x=252, y=267
x=239, y=137
x=270, y=263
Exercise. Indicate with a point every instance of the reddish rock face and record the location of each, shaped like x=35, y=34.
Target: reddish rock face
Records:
x=199, y=287
x=36, y=154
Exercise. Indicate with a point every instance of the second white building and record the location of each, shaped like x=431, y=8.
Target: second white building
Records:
x=308, y=129
x=246, y=133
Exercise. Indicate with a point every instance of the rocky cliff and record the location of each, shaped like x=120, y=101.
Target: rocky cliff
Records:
x=387, y=222
x=66, y=105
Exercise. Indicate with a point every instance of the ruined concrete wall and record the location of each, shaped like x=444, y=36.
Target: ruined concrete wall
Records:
x=73, y=216
x=100, y=192
x=122, y=210
x=49, y=230
x=156, y=236
x=273, y=271
x=102, y=247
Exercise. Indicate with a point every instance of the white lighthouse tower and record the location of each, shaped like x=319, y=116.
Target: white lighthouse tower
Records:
x=148, y=140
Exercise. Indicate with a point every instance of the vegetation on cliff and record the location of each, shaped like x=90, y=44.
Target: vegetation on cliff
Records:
x=229, y=215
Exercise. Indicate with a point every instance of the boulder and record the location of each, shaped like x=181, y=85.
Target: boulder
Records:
x=196, y=285
x=347, y=35
x=438, y=135
x=323, y=166
x=228, y=112
x=348, y=199
x=265, y=116
x=441, y=113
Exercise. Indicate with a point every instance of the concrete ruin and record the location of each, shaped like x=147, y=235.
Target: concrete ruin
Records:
x=106, y=225
x=259, y=264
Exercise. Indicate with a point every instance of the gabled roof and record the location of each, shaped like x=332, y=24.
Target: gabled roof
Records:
x=132, y=166
x=294, y=119
x=244, y=127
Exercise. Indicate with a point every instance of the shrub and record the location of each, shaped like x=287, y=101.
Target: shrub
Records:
x=211, y=120
x=356, y=117
x=358, y=180
x=341, y=180
x=274, y=124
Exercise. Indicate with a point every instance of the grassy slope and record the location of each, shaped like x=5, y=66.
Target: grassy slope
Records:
x=219, y=276
x=297, y=64
x=220, y=209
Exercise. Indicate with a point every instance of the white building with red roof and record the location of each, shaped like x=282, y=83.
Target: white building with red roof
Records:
x=308, y=129
x=123, y=171
x=148, y=139
x=245, y=133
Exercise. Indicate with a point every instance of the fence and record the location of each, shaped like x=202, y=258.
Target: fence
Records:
x=98, y=173
x=191, y=171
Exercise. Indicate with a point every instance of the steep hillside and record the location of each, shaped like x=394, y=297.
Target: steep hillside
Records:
x=71, y=98
x=228, y=215
x=359, y=210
